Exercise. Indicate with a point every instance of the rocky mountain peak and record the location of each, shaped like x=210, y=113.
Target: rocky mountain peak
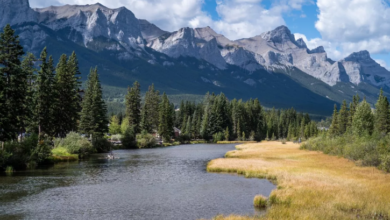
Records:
x=280, y=35
x=15, y=12
x=359, y=56
x=301, y=43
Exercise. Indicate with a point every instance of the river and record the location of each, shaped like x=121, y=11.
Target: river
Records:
x=161, y=183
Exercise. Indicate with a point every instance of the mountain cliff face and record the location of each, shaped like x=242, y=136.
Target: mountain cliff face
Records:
x=273, y=66
x=15, y=12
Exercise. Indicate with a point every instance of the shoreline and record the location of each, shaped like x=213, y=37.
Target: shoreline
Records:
x=310, y=185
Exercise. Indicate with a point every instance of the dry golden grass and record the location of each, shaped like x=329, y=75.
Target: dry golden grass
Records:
x=311, y=185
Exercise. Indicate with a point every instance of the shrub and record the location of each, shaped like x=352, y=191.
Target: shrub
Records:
x=116, y=137
x=218, y=137
x=128, y=139
x=74, y=144
x=184, y=139
x=26, y=154
x=145, y=140
x=101, y=144
x=260, y=201
x=385, y=162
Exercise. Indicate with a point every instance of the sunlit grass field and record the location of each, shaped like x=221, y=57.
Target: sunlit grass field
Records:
x=310, y=185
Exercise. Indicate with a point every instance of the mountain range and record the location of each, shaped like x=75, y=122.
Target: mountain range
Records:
x=274, y=66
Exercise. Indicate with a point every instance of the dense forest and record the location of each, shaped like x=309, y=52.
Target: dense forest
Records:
x=216, y=118
x=46, y=115
x=359, y=133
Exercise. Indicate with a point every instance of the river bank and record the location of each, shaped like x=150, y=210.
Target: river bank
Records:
x=310, y=185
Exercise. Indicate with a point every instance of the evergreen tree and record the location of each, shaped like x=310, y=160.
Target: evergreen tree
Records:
x=334, y=127
x=165, y=119
x=227, y=134
x=382, y=115
x=133, y=107
x=29, y=68
x=363, y=120
x=125, y=125
x=93, y=115
x=188, y=127
x=343, y=118
x=115, y=127
x=13, y=85
x=45, y=96
x=149, y=113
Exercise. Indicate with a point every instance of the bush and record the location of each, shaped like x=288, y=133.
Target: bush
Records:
x=146, y=140
x=74, y=144
x=116, y=137
x=128, y=139
x=26, y=154
x=184, y=139
x=260, y=201
x=218, y=137
x=385, y=162
x=101, y=144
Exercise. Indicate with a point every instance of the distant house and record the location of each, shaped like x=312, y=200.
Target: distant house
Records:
x=177, y=133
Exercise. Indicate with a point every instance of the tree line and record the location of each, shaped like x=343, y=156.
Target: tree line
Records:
x=358, y=132
x=215, y=118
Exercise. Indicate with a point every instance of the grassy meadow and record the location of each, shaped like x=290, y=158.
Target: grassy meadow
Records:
x=310, y=185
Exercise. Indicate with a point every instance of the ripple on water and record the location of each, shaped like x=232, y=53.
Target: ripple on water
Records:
x=164, y=183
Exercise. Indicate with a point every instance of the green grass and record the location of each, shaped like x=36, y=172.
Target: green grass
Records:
x=60, y=154
x=260, y=201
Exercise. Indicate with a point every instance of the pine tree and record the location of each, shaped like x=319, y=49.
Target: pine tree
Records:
x=188, y=127
x=165, y=119
x=133, y=107
x=382, y=115
x=115, y=127
x=74, y=107
x=93, y=115
x=13, y=85
x=44, y=96
x=29, y=68
x=363, y=120
x=227, y=134
x=334, y=127
x=149, y=113
x=343, y=118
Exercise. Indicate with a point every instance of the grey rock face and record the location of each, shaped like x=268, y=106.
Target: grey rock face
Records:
x=85, y=24
x=15, y=12
x=360, y=67
x=185, y=43
x=150, y=31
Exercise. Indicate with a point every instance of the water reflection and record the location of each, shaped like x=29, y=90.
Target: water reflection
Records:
x=169, y=183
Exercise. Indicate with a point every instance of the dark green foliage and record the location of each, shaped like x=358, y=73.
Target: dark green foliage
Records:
x=334, y=128
x=149, y=113
x=93, y=115
x=133, y=107
x=128, y=139
x=343, y=118
x=146, y=140
x=28, y=66
x=166, y=120
x=25, y=154
x=359, y=142
x=67, y=105
x=382, y=115
x=13, y=86
x=45, y=96
x=363, y=120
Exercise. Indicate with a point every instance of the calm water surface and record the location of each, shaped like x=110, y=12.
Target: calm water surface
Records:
x=163, y=183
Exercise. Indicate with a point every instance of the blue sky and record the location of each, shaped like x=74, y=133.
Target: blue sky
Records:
x=341, y=26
